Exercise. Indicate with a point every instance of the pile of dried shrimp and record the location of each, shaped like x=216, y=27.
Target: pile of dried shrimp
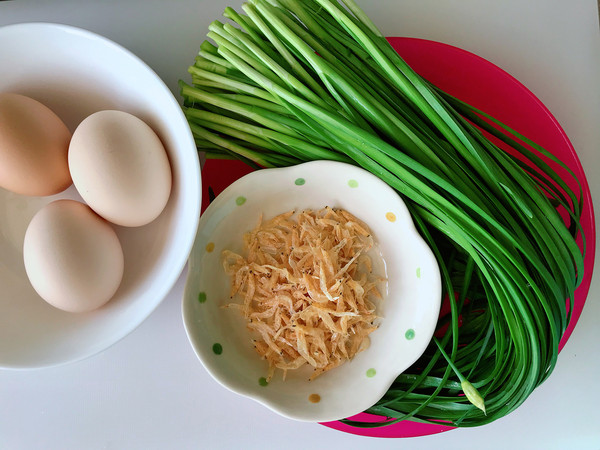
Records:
x=306, y=286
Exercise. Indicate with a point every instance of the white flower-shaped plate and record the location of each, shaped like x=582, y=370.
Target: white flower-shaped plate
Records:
x=409, y=308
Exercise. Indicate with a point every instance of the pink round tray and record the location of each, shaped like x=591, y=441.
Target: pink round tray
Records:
x=488, y=88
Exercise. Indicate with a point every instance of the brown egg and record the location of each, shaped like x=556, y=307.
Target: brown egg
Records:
x=72, y=257
x=34, y=144
x=120, y=167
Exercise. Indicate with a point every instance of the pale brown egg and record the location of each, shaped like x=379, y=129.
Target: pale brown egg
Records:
x=34, y=144
x=120, y=168
x=73, y=258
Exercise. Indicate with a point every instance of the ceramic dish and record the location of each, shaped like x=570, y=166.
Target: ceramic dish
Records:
x=76, y=73
x=409, y=308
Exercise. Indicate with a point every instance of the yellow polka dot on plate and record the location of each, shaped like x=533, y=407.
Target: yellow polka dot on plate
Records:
x=210, y=247
x=390, y=216
x=314, y=398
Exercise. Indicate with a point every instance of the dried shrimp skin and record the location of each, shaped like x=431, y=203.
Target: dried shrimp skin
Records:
x=306, y=289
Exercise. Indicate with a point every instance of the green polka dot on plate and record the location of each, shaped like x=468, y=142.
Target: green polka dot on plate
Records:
x=418, y=272
x=263, y=381
x=217, y=349
x=240, y=200
x=299, y=181
x=353, y=183
x=202, y=297
x=371, y=372
x=410, y=334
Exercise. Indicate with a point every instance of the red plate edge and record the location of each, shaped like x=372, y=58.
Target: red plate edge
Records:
x=472, y=79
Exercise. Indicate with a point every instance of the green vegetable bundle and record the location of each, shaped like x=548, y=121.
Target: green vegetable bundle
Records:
x=292, y=81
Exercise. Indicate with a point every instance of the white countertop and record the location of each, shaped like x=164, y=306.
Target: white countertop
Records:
x=150, y=391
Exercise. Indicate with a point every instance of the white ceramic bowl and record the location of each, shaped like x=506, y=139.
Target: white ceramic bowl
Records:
x=409, y=309
x=76, y=73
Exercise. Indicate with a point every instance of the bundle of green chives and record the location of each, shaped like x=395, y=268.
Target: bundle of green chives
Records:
x=292, y=81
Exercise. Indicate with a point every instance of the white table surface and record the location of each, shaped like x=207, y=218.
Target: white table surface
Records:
x=149, y=390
